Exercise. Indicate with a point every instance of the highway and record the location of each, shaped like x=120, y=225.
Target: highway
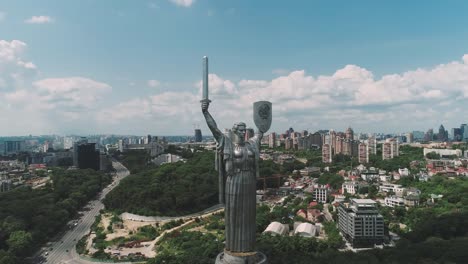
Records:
x=63, y=250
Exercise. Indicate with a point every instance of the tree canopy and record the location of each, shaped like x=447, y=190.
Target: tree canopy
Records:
x=30, y=217
x=170, y=190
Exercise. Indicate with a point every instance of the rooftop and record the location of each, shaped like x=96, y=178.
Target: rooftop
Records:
x=363, y=201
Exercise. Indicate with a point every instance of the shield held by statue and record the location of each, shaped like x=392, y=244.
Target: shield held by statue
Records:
x=262, y=115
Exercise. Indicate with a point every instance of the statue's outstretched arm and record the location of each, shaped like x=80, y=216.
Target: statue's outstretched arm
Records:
x=211, y=122
x=258, y=138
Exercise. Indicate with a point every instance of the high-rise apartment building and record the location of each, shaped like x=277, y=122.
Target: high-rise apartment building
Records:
x=316, y=139
x=390, y=149
x=288, y=143
x=360, y=223
x=327, y=156
x=332, y=138
x=418, y=135
x=338, y=145
x=67, y=142
x=456, y=134
x=349, y=133
x=409, y=138
x=249, y=133
x=372, y=143
x=147, y=139
x=13, y=147
x=87, y=156
x=395, y=148
x=75, y=150
x=464, y=132
x=387, y=151
x=347, y=147
x=272, y=140
x=429, y=136
x=443, y=134
x=363, y=156
x=198, y=135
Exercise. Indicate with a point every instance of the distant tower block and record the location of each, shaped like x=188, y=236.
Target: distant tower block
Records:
x=249, y=133
x=198, y=135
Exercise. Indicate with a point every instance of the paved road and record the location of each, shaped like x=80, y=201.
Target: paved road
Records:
x=63, y=251
x=327, y=213
x=135, y=217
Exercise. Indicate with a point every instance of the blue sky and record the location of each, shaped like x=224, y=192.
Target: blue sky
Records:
x=254, y=46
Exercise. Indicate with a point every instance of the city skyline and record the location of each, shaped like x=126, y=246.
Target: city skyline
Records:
x=62, y=73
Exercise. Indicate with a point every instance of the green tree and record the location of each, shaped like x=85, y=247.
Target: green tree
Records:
x=432, y=155
x=20, y=242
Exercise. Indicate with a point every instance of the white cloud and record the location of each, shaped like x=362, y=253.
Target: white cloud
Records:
x=39, y=20
x=47, y=105
x=183, y=3
x=218, y=86
x=15, y=71
x=153, y=83
x=350, y=96
x=73, y=93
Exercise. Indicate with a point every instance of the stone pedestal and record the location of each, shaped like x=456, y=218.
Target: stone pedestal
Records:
x=227, y=257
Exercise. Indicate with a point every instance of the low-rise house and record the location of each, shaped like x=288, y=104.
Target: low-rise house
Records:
x=396, y=175
x=339, y=198
x=394, y=201
x=389, y=187
x=403, y=172
x=435, y=197
x=315, y=215
x=411, y=200
x=302, y=213
x=423, y=177
x=412, y=191
x=361, y=168
x=351, y=187
x=370, y=174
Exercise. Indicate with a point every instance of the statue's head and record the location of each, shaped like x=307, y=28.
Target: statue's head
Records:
x=238, y=131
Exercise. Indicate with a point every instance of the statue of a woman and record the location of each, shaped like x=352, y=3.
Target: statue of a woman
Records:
x=238, y=159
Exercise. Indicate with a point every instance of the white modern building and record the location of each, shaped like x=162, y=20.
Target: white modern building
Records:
x=403, y=172
x=350, y=187
x=321, y=193
x=444, y=152
x=360, y=223
x=389, y=187
x=394, y=201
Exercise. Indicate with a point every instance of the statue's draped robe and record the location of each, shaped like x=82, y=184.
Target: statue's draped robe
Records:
x=238, y=166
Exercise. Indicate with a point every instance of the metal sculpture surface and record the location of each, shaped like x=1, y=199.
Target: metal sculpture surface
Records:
x=237, y=163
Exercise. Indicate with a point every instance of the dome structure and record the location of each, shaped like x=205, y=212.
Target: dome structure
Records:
x=276, y=228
